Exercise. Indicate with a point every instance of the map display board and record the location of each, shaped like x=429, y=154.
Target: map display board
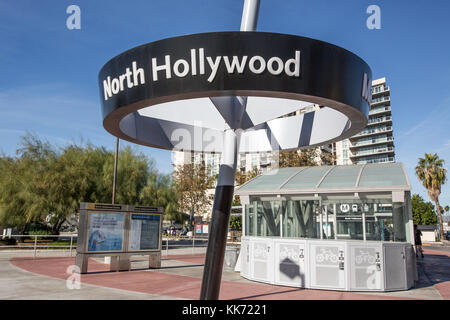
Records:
x=105, y=231
x=144, y=231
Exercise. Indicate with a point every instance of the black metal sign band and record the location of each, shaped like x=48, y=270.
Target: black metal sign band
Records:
x=231, y=64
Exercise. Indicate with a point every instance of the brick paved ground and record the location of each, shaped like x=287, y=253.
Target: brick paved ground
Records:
x=180, y=278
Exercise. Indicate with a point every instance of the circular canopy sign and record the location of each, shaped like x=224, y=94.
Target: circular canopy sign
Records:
x=183, y=93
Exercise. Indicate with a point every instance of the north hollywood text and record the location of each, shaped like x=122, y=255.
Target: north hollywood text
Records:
x=200, y=64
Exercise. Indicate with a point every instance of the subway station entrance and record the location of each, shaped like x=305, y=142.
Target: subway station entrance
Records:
x=330, y=227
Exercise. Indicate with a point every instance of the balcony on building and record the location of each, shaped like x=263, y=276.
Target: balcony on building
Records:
x=378, y=90
x=385, y=140
x=368, y=132
x=374, y=161
x=380, y=110
x=380, y=100
x=374, y=151
x=265, y=162
x=380, y=120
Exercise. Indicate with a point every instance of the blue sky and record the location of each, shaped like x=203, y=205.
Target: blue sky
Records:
x=48, y=82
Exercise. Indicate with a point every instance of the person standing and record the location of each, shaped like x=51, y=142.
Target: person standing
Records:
x=418, y=240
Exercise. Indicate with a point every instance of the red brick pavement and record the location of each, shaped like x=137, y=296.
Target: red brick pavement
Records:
x=179, y=286
x=437, y=268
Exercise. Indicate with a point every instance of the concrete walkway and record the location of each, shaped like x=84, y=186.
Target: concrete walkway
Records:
x=44, y=277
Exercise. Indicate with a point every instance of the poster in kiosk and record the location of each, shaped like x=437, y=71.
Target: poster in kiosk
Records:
x=106, y=231
x=119, y=231
x=144, y=231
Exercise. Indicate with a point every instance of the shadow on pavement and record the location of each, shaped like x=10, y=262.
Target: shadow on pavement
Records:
x=432, y=269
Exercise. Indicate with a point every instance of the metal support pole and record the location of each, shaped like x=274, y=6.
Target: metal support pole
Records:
x=191, y=220
x=212, y=272
x=116, y=159
x=220, y=218
x=363, y=222
x=71, y=243
x=250, y=15
x=35, y=245
x=193, y=245
x=281, y=223
x=167, y=246
x=321, y=224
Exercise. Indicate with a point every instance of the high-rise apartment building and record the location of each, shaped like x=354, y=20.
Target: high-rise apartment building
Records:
x=375, y=144
x=247, y=162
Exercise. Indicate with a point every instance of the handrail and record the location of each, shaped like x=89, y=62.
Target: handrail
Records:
x=373, y=151
x=35, y=245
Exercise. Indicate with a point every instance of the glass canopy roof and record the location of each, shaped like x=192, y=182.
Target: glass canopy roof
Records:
x=353, y=178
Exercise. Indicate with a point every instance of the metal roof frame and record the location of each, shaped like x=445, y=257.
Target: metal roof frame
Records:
x=317, y=190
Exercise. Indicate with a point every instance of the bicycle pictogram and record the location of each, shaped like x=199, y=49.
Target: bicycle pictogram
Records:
x=261, y=251
x=326, y=255
x=289, y=253
x=364, y=256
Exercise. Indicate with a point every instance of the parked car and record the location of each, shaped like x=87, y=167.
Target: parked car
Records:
x=447, y=235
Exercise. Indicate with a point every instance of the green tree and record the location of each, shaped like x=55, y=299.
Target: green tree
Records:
x=242, y=177
x=431, y=173
x=191, y=181
x=14, y=194
x=96, y=159
x=20, y=201
x=305, y=158
x=132, y=172
x=160, y=191
x=423, y=212
x=43, y=181
x=63, y=185
x=445, y=209
x=236, y=201
x=236, y=223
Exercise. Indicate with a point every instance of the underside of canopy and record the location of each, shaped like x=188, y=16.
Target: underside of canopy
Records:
x=267, y=124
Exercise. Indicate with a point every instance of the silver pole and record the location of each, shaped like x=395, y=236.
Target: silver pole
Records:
x=321, y=223
x=363, y=222
x=220, y=218
x=35, y=245
x=335, y=221
x=281, y=223
x=116, y=159
x=250, y=15
x=71, y=242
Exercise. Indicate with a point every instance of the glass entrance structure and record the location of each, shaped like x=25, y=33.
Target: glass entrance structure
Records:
x=327, y=213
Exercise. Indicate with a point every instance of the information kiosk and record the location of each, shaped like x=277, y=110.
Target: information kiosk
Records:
x=119, y=231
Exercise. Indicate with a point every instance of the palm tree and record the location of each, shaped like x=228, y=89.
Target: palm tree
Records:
x=431, y=173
